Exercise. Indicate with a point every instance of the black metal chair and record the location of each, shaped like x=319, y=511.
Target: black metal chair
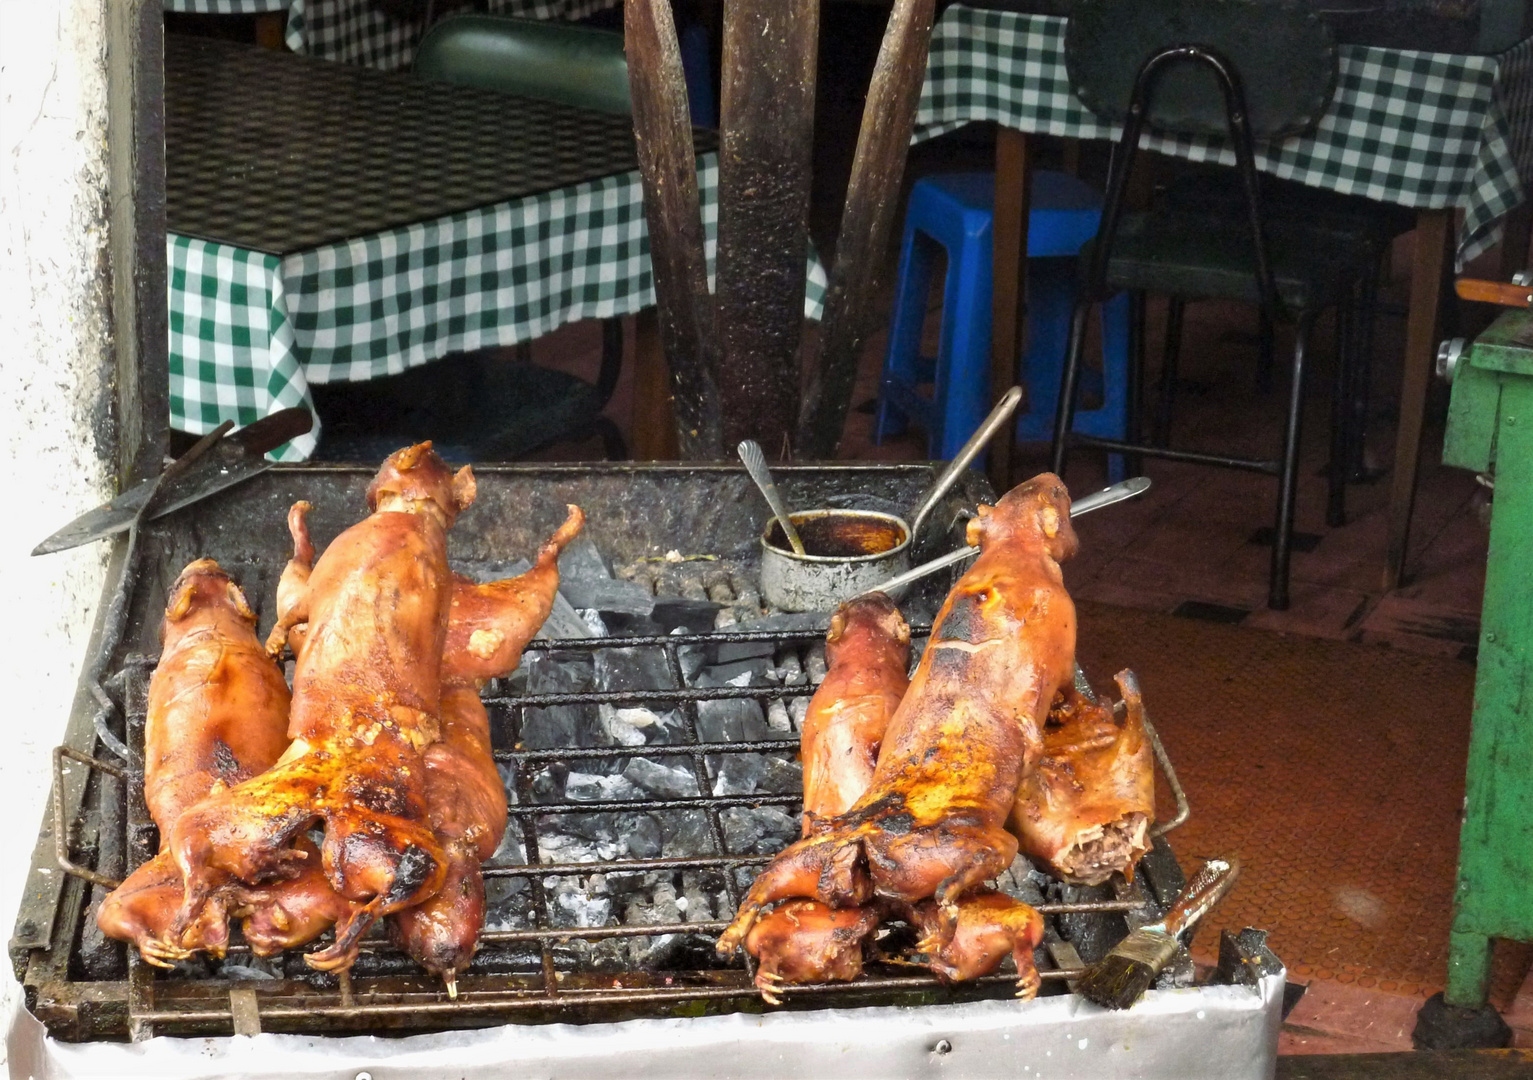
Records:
x=1236, y=69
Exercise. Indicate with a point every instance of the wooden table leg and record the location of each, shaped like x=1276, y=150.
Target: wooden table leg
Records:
x=1434, y=232
x=653, y=433
x=1008, y=234
x=270, y=29
x=1515, y=236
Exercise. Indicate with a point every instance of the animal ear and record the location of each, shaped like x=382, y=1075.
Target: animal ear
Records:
x=975, y=530
x=238, y=602
x=837, y=627
x=464, y=488
x=180, y=603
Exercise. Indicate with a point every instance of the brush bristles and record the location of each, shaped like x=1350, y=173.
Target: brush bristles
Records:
x=1124, y=974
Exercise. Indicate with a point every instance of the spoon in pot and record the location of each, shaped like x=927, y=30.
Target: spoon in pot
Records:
x=977, y=442
x=755, y=464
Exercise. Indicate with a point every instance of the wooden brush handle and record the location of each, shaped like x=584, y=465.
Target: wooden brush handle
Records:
x=1206, y=889
x=1494, y=292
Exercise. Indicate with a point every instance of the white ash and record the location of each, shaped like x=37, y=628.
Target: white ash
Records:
x=620, y=729
x=798, y=709
x=777, y=718
x=660, y=781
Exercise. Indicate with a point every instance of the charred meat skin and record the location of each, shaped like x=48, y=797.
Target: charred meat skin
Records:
x=1085, y=811
x=366, y=700
x=488, y=628
x=867, y=649
x=217, y=715
x=931, y=824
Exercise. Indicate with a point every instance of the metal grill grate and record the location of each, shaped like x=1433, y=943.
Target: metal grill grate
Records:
x=536, y=972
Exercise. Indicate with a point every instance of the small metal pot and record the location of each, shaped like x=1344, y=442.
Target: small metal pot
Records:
x=850, y=552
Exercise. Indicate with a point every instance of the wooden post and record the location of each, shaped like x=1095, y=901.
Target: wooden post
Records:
x=1008, y=234
x=1434, y=233
x=872, y=197
x=668, y=164
x=767, y=114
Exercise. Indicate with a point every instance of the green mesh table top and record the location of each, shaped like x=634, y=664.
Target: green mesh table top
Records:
x=337, y=224
x=361, y=32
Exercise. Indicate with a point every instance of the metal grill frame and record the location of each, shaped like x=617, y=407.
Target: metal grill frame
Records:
x=160, y=1005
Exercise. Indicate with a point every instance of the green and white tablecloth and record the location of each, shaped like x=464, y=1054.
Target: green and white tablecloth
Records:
x=250, y=331
x=1420, y=129
x=360, y=32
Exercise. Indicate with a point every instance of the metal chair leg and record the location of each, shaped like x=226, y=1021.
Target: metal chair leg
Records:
x=1161, y=434
x=1069, y=384
x=1362, y=376
x=1336, y=466
x=1265, y=352
x=1288, y=476
x=1133, y=391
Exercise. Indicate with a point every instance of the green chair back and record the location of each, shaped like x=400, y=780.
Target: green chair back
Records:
x=574, y=65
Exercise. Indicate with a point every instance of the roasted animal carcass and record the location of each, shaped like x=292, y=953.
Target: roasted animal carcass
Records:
x=990, y=926
x=488, y=628
x=955, y=752
x=1086, y=810
x=867, y=654
x=366, y=704
x=867, y=650
x=217, y=715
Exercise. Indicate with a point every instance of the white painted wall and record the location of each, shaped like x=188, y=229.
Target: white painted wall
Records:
x=54, y=342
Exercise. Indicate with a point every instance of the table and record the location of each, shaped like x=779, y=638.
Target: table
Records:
x=1426, y=130
x=360, y=32
x=331, y=223
x=1490, y=430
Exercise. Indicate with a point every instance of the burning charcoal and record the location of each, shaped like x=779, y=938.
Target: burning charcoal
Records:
x=548, y=784
x=619, y=725
x=798, y=708
x=789, y=670
x=736, y=774
x=757, y=830
x=640, y=834
x=725, y=619
x=686, y=834
x=633, y=669
x=731, y=720
x=590, y=788
x=661, y=781
x=814, y=663
x=582, y=561
x=565, y=622
x=690, y=616
x=560, y=725
x=693, y=659
x=1023, y=881
x=505, y=903
x=574, y=905
x=777, y=717
x=595, y=827
x=510, y=852
x=747, y=671
x=250, y=968
x=608, y=594
x=594, y=623
x=787, y=621
x=782, y=777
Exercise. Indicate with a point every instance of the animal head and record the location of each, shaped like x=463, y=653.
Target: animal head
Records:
x=413, y=478
x=873, y=615
x=204, y=586
x=1037, y=510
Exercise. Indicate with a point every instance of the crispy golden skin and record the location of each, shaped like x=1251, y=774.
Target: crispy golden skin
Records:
x=990, y=926
x=1085, y=811
x=489, y=627
x=366, y=700
x=868, y=652
x=217, y=715
x=964, y=735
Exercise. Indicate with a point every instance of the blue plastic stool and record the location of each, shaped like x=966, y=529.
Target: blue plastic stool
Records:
x=954, y=210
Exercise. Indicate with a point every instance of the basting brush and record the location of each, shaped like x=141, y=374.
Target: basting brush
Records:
x=1119, y=978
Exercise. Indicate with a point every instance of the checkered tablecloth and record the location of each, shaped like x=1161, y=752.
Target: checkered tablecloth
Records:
x=1420, y=129
x=360, y=32
x=250, y=331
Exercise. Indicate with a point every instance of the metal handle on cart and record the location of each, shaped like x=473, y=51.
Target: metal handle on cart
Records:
x=61, y=826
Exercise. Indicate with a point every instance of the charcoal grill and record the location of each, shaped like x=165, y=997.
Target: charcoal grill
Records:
x=550, y=953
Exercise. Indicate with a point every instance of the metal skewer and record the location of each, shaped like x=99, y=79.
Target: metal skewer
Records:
x=1125, y=489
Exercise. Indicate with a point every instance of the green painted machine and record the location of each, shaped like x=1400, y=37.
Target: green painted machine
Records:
x=1490, y=430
